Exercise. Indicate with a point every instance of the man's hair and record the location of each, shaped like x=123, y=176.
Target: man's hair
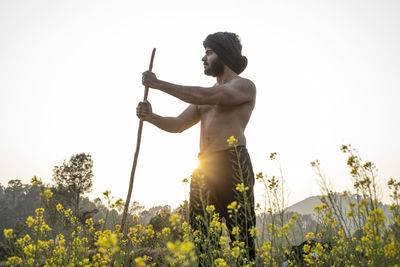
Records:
x=228, y=47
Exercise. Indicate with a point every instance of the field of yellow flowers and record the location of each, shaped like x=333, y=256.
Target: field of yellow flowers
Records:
x=361, y=236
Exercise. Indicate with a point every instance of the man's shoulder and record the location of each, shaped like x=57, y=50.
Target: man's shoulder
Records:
x=243, y=82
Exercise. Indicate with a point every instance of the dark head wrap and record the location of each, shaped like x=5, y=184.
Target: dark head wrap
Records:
x=228, y=48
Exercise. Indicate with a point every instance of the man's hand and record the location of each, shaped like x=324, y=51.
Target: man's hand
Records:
x=144, y=110
x=150, y=79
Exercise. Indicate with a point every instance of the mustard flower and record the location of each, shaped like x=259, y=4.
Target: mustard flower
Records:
x=8, y=233
x=31, y=262
x=310, y=235
x=140, y=262
x=233, y=207
x=59, y=207
x=27, y=238
x=166, y=231
x=14, y=260
x=235, y=252
x=253, y=231
x=232, y=141
x=235, y=230
x=39, y=211
x=47, y=193
x=175, y=219
x=210, y=208
x=35, y=181
x=29, y=250
x=241, y=188
x=220, y=262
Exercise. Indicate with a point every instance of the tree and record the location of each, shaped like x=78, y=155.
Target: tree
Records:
x=136, y=208
x=75, y=178
x=15, y=190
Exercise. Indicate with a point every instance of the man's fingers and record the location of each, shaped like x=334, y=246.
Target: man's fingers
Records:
x=143, y=108
x=148, y=78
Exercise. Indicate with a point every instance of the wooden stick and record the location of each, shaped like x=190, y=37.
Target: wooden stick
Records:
x=139, y=137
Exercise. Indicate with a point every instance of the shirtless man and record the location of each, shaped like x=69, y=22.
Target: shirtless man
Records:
x=224, y=111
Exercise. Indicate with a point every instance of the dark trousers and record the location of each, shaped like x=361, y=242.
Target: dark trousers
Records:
x=216, y=183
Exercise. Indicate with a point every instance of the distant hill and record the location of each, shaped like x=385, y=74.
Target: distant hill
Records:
x=307, y=205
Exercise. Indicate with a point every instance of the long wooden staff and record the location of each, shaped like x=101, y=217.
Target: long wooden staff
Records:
x=139, y=137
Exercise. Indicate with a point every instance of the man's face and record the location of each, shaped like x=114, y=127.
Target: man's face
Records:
x=213, y=66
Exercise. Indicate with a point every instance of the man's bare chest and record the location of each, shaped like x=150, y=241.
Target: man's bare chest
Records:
x=214, y=115
x=214, y=110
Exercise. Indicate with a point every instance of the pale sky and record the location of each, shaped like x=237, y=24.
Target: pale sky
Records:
x=327, y=73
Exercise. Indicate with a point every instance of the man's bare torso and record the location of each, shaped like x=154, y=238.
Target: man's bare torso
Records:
x=218, y=123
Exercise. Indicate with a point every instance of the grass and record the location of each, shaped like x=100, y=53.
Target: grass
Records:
x=360, y=235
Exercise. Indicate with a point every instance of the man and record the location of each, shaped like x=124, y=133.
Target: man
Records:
x=224, y=111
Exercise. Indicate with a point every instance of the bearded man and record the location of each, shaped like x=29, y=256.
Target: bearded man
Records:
x=225, y=173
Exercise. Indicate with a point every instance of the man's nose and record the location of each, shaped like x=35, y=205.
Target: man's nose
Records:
x=204, y=59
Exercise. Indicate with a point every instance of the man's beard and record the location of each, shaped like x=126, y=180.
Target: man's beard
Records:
x=215, y=69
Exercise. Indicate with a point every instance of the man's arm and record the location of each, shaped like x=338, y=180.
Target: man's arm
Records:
x=185, y=120
x=235, y=92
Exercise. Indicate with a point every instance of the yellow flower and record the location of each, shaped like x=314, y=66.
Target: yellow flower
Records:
x=61, y=240
x=320, y=208
x=241, y=187
x=149, y=231
x=47, y=193
x=8, y=233
x=185, y=180
x=45, y=227
x=350, y=214
x=39, y=211
x=14, y=260
x=220, y=262
x=310, y=235
x=183, y=247
x=27, y=238
x=253, y=231
x=108, y=241
x=35, y=181
x=235, y=252
x=210, y=208
x=306, y=248
x=140, y=262
x=166, y=231
x=235, y=230
x=119, y=204
x=59, y=207
x=175, y=219
x=29, y=250
x=107, y=193
x=232, y=141
x=233, y=207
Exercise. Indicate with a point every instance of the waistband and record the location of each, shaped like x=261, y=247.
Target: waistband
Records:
x=202, y=155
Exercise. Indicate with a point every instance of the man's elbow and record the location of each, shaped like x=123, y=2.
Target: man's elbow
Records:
x=179, y=127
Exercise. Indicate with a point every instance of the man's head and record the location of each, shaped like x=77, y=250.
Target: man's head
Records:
x=227, y=47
